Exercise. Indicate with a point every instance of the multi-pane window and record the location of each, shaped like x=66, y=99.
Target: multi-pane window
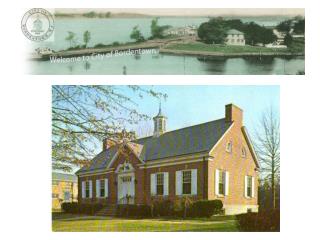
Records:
x=249, y=186
x=243, y=152
x=102, y=189
x=87, y=189
x=186, y=180
x=229, y=147
x=221, y=183
x=160, y=185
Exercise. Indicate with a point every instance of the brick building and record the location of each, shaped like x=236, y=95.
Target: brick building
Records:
x=213, y=160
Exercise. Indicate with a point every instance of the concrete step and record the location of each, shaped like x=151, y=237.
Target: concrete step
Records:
x=109, y=210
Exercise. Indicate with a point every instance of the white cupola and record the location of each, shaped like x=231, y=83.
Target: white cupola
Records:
x=159, y=123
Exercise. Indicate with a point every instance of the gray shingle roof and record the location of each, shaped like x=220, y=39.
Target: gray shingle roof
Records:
x=193, y=139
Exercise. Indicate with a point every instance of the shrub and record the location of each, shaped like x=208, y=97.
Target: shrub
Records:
x=131, y=210
x=206, y=208
x=266, y=221
x=84, y=208
x=163, y=208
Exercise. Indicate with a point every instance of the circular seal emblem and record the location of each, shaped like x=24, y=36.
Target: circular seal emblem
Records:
x=37, y=24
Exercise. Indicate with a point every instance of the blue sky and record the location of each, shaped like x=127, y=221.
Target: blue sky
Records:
x=190, y=105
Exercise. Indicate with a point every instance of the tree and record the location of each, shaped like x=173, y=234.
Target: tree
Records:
x=82, y=116
x=71, y=38
x=86, y=38
x=284, y=26
x=136, y=34
x=213, y=31
x=288, y=40
x=267, y=145
x=156, y=30
x=299, y=26
x=255, y=33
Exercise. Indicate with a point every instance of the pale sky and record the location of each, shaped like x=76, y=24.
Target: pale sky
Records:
x=194, y=11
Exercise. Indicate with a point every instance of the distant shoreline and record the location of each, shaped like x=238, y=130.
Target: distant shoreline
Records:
x=134, y=15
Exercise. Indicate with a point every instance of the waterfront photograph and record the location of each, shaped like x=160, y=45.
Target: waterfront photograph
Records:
x=171, y=42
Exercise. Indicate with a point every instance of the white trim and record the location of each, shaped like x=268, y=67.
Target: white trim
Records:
x=174, y=163
x=117, y=154
x=178, y=183
x=252, y=186
x=98, y=188
x=83, y=189
x=90, y=188
x=216, y=185
x=194, y=181
x=95, y=173
x=175, y=159
x=153, y=187
x=166, y=184
x=221, y=138
x=250, y=145
x=226, y=184
x=113, y=159
x=106, y=187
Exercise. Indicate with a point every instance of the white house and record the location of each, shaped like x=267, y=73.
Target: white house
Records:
x=235, y=37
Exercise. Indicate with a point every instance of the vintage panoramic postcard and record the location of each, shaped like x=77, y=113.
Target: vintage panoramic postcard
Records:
x=145, y=158
x=166, y=41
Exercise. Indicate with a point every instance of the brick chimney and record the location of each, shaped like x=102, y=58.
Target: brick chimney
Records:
x=107, y=143
x=234, y=114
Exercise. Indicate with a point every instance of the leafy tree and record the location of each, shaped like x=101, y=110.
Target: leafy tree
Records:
x=213, y=31
x=299, y=26
x=267, y=145
x=136, y=34
x=82, y=116
x=255, y=33
x=71, y=38
x=284, y=26
x=86, y=38
x=156, y=30
x=288, y=40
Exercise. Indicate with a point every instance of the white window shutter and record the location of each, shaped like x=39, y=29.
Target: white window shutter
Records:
x=216, y=184
x=83, y=189
x=245, y=186
x=226, y=185
x=166, y=184
x=98, y=188
x=194, y=183
x=90, y=188
x=253, y=190
x=132, y=186
x=153, y=189
x=106, y=188
x=178, y=183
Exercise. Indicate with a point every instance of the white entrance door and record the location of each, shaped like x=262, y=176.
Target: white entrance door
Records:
x=126, y=189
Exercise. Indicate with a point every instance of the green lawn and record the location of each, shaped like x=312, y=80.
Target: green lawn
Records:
x=227, y=48
x=76, y=223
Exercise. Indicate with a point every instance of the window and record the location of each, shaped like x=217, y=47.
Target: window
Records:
x=186, y=180
x=67, y=196
x=229, y=147
x=221, y=183
x=249, y=186
x=243, y=152
x=102, y=190
x=87, y=189
x=160, y=185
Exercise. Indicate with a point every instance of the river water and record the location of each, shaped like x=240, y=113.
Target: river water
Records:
x=107, y=31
